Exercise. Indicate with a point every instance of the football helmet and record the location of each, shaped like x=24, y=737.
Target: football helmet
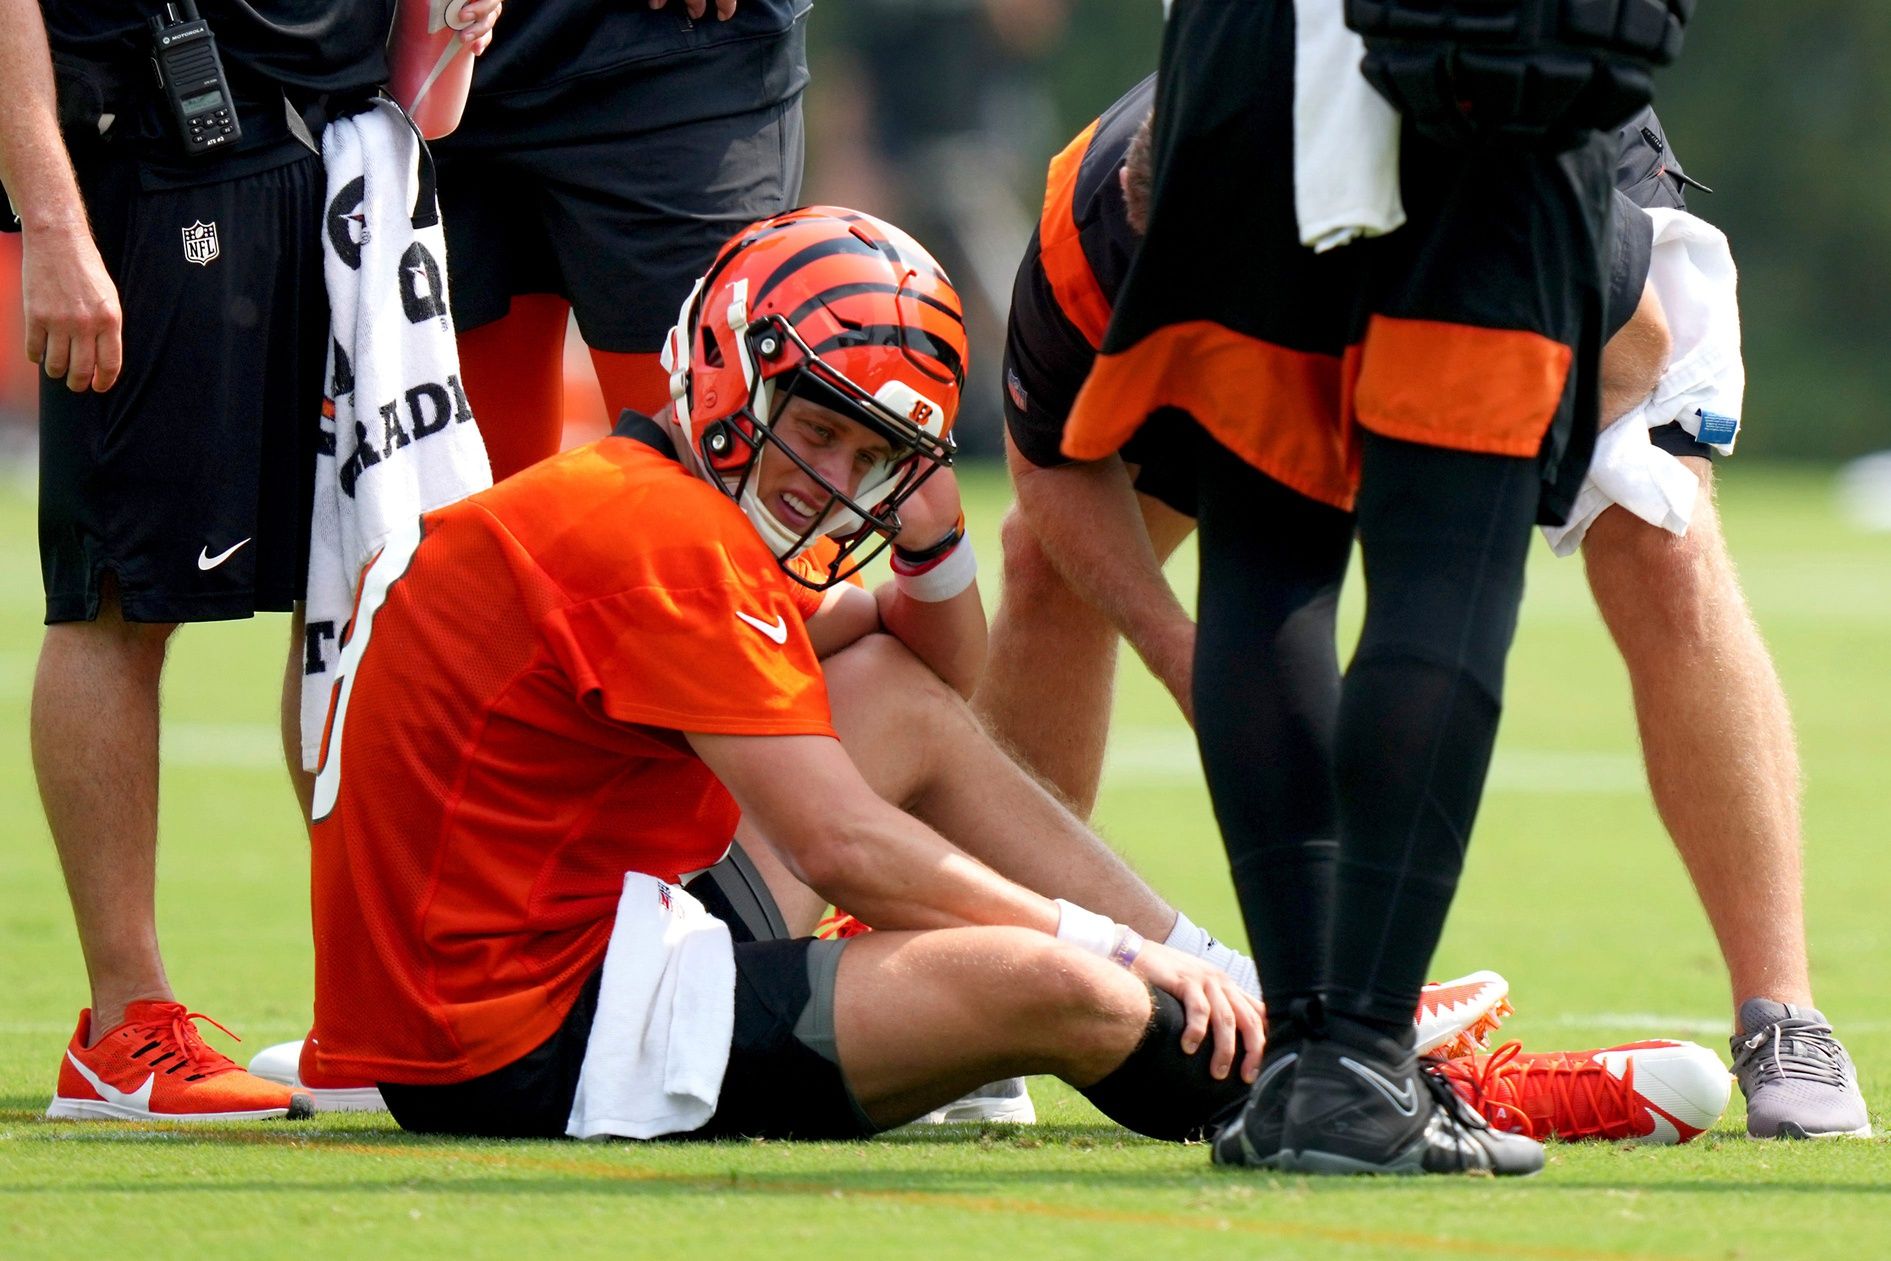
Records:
x=843, y=310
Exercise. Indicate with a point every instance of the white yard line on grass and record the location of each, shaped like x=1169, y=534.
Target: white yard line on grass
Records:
x=1165, y=757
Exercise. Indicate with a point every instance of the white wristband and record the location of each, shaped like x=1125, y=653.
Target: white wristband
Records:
x=1086, y=929
x=939, y=582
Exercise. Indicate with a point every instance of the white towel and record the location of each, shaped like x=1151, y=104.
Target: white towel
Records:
x=1693, y=274
x=659, y=1043
x=1345, y=135
x=397, y=441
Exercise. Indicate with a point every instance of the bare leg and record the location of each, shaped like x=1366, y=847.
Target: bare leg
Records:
x=922, y=1018
x=303, y=782
x=920, y=748
x=1050, y=675
x=95, y=754
x=1716, y=735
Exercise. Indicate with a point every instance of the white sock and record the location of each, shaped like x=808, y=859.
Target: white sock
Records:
x=1191, y=937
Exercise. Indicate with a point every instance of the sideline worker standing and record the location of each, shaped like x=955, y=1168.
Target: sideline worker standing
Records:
x=173, y=290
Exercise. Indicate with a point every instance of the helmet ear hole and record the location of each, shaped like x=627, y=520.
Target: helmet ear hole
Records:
x=712, y=349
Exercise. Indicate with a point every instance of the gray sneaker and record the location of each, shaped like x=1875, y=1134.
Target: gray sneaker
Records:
x=1798, y=1079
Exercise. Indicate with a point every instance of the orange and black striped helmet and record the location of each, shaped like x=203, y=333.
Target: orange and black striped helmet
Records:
x=847, y=311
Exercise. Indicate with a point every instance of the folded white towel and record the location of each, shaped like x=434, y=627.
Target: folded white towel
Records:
x=1346, y=137
x=397, y=437
x=1693, y=274
x=659, y=1043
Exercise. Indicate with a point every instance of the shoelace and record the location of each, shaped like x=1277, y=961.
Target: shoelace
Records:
x=1802, y=1050
x=192, y=1052
x=1586, y=1099
x=839, y=926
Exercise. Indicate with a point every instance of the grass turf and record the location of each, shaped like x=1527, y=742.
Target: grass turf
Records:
x=1572, y=892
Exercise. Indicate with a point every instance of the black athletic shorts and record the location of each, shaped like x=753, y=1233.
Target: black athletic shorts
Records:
x=782, y=1081
x=191, y=479
x=618, y=221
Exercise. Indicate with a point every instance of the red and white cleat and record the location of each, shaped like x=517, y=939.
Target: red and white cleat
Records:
x=290, y=1064
x=1648, y=1092
x=1456, y=1018
x=155, y=1066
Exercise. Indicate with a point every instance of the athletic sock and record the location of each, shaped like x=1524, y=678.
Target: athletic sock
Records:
x=1191, y=938
x=1163, y=1093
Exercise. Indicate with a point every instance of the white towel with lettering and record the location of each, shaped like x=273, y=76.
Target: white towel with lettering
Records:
x=1692, y=271
x=659, y=1043
x=397, y=433
x=1345, y=135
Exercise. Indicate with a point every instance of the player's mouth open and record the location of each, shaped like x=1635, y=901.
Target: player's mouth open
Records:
x=795, y=512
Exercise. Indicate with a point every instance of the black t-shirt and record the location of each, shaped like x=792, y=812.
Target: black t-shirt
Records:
x=319, y=45
x=560, y=68
x=1047, y=356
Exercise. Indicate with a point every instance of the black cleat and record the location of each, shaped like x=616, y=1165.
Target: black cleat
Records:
x=1252, y=1138
x=1362, y=1103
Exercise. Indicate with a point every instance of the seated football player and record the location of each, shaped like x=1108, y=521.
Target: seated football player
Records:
x=558, y=696
x=1085, y=543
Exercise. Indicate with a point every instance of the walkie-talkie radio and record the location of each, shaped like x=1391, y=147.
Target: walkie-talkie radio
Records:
x=190, y=74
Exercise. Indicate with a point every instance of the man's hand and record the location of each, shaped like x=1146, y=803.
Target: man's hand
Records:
x=74, y=328
x=1213, y=1003
x=725, y=9
x=931, y=513
x=483, y=16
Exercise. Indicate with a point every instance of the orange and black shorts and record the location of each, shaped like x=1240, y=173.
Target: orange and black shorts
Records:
x=1477, y=326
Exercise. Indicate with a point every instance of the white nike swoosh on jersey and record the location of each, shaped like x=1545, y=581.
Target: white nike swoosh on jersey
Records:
x=1405, y=1099
x=207, y=562
x=139, y=1098
x=776, y=630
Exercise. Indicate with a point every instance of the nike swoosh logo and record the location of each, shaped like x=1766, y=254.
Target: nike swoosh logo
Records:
x=139, y=1098
x=1405, y=1098
x=1274, y=1070
x=776, y=630
x=207, y=562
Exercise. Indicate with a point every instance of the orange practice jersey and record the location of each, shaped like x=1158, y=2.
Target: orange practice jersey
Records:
x=509, y=744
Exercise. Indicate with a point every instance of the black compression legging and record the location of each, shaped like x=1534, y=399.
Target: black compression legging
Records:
x=1345, y=809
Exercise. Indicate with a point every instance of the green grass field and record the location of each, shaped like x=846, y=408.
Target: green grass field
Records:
x=1573, y=892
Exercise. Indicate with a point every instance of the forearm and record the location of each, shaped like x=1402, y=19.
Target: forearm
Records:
x=1088, y=523
x=33, y=161
x=1634, y=359
x=948, y=635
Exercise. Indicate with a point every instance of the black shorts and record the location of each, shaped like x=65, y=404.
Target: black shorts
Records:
x=1477, y=326
x=192, y=478
x=620, y=224
x=779, y=1083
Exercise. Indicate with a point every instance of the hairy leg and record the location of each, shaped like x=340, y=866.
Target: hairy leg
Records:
x=920, y=747
x=95, y=754
x=1050, y=675
x=922, y=1018
x=301, y=781
x=1716, y=735
x=514, y=372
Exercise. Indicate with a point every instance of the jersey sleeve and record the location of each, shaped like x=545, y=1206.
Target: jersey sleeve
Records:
x=708, y=639
x=1046, y=362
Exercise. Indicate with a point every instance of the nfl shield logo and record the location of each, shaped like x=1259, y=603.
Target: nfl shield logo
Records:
x=200, y=243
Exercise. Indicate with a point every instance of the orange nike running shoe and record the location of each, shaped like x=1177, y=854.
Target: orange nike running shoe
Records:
x=1649, y=1092
x=156, y=1067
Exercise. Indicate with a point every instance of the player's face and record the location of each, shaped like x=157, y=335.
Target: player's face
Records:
x=841, y=450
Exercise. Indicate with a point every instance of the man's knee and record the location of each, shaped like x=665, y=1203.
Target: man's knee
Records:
x=1090, y=1011
x=1648, y=580
x=878, y=668
x=1030, y=578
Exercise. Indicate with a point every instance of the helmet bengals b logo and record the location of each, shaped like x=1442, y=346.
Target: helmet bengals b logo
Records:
x=921, y=413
